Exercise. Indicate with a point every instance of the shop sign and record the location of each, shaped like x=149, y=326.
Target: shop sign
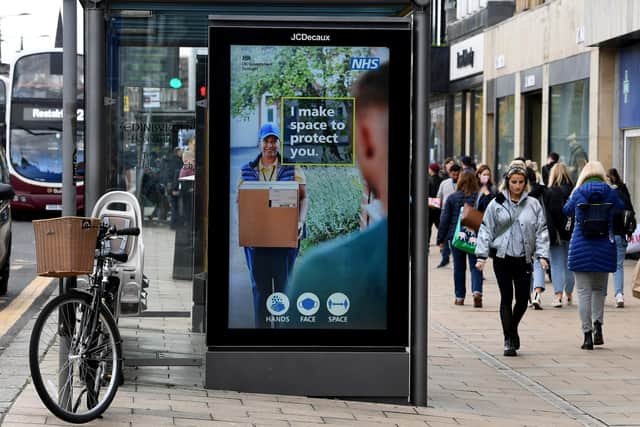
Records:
x=629, y=75
x=466, y=57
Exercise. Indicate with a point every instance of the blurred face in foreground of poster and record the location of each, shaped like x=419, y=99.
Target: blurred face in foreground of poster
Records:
x=308, y=236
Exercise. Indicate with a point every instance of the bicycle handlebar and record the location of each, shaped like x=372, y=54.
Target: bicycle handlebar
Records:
x=135, y=231
x=118, y=257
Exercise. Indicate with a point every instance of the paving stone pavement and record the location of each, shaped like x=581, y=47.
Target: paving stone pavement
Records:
x=551, y=383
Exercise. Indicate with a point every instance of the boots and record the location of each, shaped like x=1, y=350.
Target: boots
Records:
x=597, y=333
x=588, y=341
x=509, y=349
x=515, y=338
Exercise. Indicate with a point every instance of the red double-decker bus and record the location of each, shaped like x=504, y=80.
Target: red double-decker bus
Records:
x=34, y=131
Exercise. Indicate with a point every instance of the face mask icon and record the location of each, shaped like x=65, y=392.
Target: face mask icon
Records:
x=308, y=304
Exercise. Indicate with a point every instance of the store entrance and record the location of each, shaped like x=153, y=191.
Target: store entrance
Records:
x=533, y=126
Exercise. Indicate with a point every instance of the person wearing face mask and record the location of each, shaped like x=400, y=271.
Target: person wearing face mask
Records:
x=514, y=232
x=487, y=187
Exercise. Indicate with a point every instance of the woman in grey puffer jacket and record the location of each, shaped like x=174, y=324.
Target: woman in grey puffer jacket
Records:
x=513, y=231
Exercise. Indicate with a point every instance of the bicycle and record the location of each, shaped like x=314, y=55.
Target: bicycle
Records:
x=82, y=322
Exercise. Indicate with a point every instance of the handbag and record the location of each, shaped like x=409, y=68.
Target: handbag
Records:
x=464, y=238
x=470, y=216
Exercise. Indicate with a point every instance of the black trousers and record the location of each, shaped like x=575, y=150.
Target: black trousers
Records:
x=512, y=274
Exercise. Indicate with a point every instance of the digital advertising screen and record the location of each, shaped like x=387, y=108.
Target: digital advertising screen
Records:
x=310, y=153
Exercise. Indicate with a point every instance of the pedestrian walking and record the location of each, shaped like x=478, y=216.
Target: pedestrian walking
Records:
x=467, y=192
x=434, y=181
x=560, y=227
x=513, y=232
x=592, y=249
x=537, y=191
x=621, y=219
x=447, y=187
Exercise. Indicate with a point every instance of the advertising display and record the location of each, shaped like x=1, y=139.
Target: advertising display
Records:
x=309, y=182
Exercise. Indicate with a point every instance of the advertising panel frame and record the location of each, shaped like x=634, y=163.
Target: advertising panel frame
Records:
x=393, y=33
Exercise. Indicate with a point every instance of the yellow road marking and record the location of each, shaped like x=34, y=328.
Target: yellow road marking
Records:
x=11, y=313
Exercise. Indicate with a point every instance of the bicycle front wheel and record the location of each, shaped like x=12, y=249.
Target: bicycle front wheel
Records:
x=75, y=366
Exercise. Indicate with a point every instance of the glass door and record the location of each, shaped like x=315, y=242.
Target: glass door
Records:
x=632, y=164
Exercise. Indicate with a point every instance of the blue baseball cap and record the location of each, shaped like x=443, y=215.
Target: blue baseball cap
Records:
x=269, y=129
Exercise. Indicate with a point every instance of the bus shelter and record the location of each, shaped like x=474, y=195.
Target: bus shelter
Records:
x=150, y=63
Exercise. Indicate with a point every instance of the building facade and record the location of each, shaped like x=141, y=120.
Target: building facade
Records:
x=616, y=34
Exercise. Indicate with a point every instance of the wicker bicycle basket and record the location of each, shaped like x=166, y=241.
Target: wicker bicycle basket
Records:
x=65, y=246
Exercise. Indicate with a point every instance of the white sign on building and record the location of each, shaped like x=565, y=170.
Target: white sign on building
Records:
x=466, y=57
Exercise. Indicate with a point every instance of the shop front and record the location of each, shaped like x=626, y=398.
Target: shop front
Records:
x=466, y=97
x=629, y=117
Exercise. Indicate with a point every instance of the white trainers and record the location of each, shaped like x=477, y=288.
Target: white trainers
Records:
x=535, y=301
x=557, y=301
x=619, y=301
x=569, y=299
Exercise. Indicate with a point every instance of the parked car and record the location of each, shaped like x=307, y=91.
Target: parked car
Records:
x=6, y=195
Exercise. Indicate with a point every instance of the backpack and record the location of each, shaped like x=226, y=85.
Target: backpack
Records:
x=624, y=223
x=595, y=219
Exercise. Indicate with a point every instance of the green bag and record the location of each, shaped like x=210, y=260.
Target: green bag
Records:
x=464, y=238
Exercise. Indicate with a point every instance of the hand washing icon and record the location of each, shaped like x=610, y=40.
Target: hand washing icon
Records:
x=277, y=303
x=308, y=304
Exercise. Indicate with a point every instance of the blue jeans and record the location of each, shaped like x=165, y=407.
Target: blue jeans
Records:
x=446, y=250
x=618, y=276
x=563, y=279
x=537, y=278
x=460, y=273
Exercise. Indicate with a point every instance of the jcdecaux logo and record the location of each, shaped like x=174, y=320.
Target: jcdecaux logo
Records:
x=364, y=63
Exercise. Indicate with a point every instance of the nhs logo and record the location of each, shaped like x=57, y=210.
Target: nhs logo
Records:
x=364, y=63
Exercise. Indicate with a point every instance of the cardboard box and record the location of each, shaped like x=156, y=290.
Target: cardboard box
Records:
x=268, y=214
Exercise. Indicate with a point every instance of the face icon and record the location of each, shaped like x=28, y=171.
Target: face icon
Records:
x=269, y=147
x=454, y=175
x=516, y=184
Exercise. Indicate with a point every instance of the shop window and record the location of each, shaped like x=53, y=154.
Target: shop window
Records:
x=476, y=125
x=437, y=131
x=504, y=134
x=569, y=124
x=458, y=124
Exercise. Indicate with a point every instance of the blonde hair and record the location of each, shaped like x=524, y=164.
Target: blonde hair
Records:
x=592, y=169
x=558, y=175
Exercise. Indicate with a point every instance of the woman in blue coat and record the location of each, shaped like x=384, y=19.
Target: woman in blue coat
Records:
x=592, y=249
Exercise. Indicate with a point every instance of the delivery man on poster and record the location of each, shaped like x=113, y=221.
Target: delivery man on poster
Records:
x=269, y=268
x=348, y=276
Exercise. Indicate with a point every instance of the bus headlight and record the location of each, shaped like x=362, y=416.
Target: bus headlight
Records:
x=23, y=199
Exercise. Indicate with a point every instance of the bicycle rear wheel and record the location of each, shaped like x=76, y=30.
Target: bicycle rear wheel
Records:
x=79, y=386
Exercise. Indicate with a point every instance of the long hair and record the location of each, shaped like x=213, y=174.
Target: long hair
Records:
x=558, y=175
x=483, y=168
x=614, y=177
x=468, y=183
x=592, y=169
